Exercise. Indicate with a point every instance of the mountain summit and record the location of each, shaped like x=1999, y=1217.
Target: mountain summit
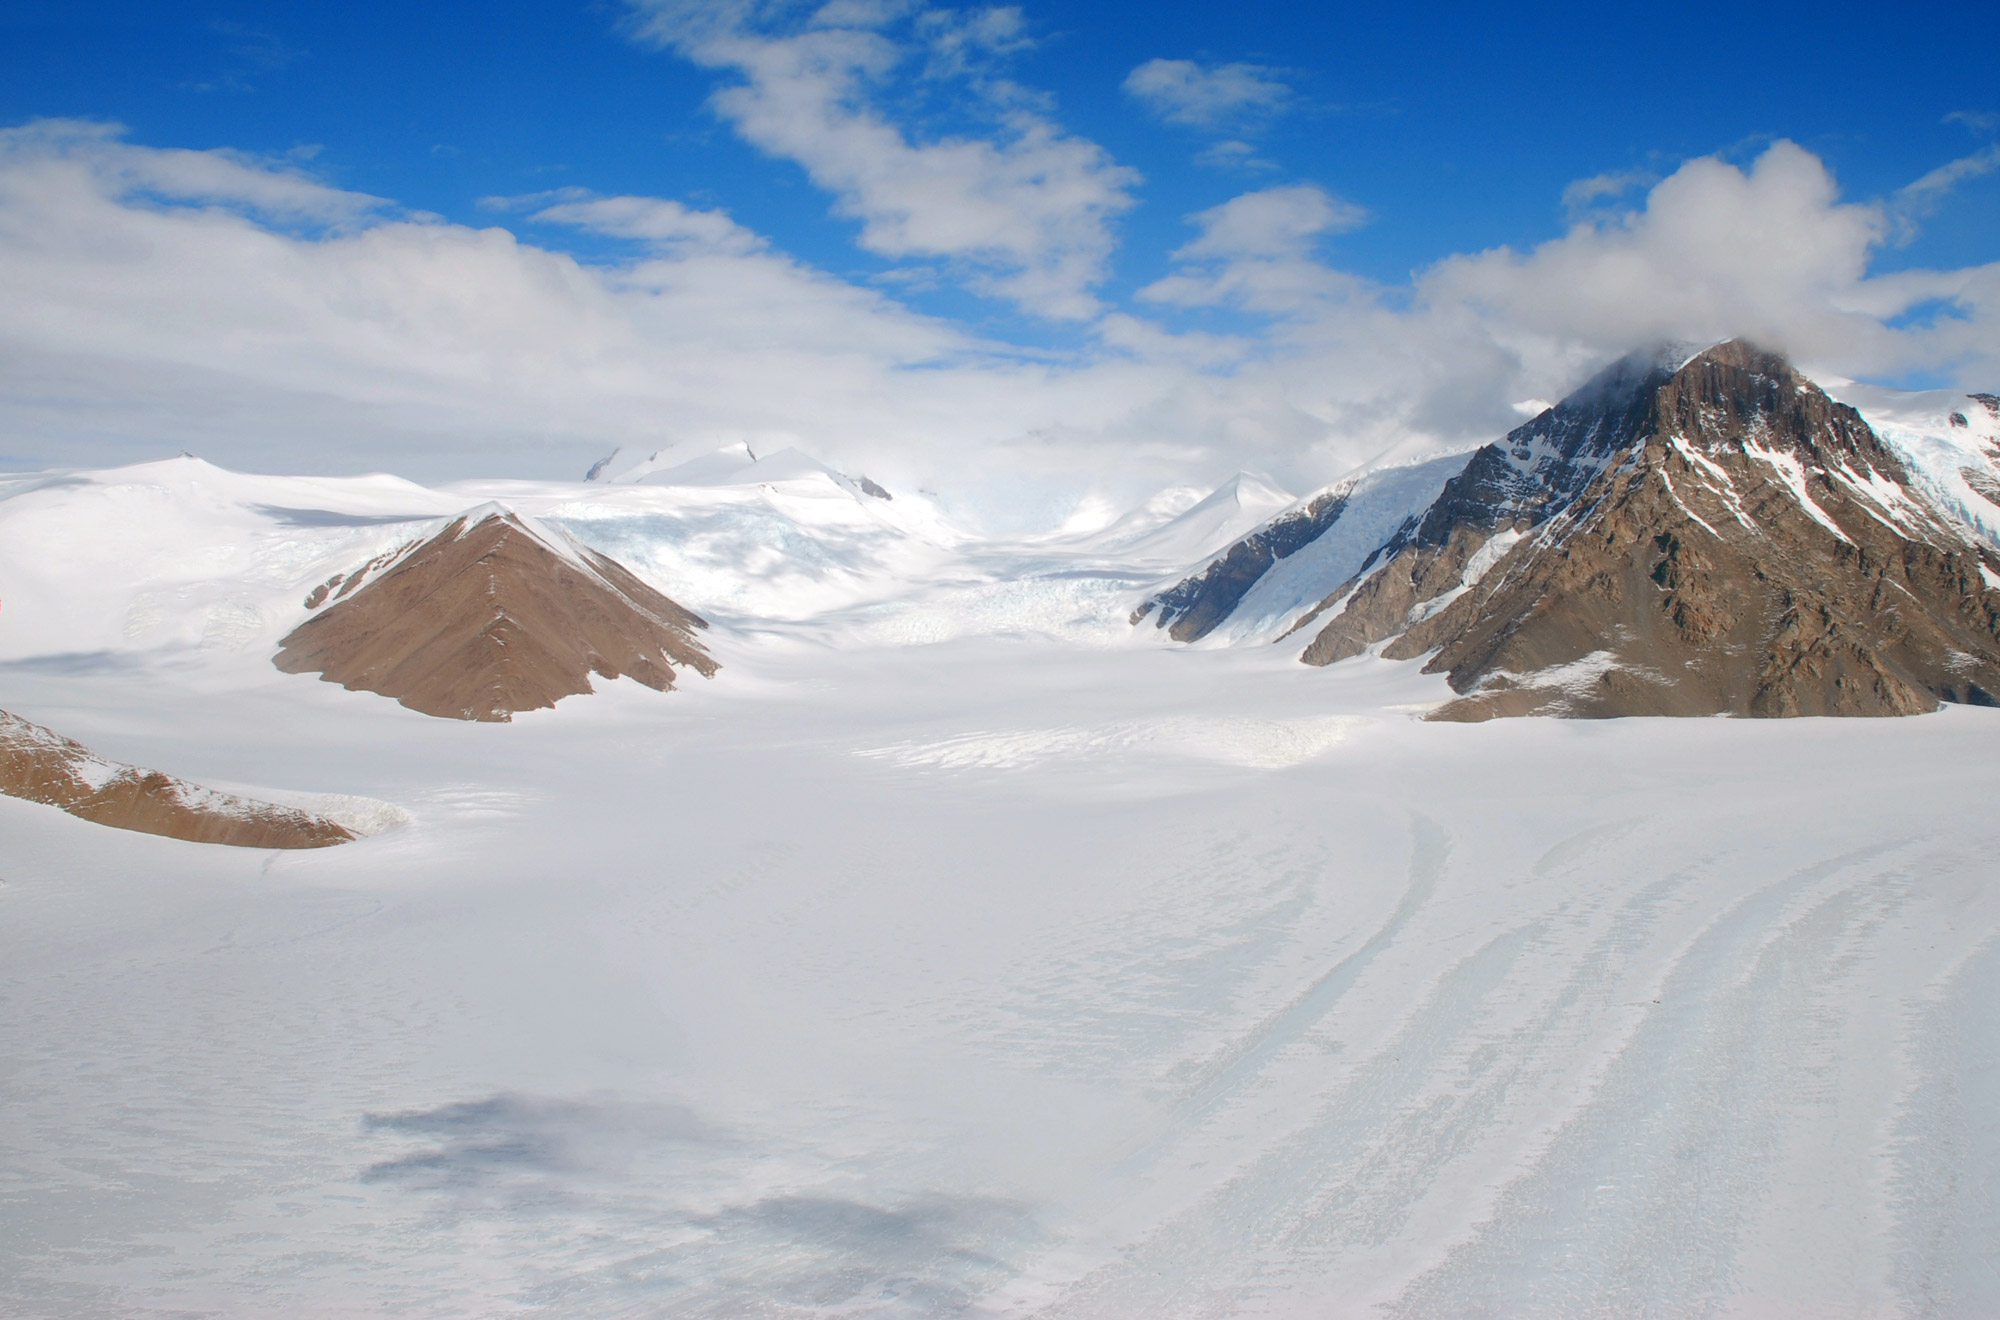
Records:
x=1717, y=537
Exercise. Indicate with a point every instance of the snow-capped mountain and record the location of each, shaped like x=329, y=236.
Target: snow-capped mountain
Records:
x=1710, y=536
x=1182, y=523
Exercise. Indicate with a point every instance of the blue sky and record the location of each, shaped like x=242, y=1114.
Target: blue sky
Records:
x=1381, y=150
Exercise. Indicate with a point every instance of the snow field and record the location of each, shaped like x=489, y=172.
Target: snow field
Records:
x=681, y=1005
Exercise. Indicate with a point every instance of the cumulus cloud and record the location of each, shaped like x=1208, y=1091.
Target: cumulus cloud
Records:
x=1769, y=252
x=1184, y=92
x=1275, y=222
x=1023, y=212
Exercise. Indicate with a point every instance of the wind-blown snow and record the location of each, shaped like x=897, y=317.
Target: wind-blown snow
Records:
x=957, y=951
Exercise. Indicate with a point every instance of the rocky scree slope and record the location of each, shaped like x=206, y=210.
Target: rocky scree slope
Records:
x=1719, y=537
x=491, y=616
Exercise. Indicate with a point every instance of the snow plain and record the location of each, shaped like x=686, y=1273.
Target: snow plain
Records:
x=957, y=951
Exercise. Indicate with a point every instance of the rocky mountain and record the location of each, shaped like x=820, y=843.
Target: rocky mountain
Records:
x=1714, y=536
x=40, y=765
x=493, y=614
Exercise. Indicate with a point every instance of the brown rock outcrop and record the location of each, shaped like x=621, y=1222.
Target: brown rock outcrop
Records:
x=489, y=617
x=40, y=765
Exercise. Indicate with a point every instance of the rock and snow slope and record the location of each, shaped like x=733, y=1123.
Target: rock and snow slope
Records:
x=40, y=765
x=1709, y=536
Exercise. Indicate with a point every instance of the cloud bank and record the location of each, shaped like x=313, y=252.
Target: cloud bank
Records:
x=241, y=308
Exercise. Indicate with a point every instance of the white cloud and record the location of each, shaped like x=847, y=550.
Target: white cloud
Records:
x=1922, y=197
x=1768, y=252
x=1183, y=92
x=1274, y=222
x=38, y=155
x=1234, y=154
x=1255, y=251
x=1583, y=194
x=137, y=324
x=663, y=224
x=1024, y=213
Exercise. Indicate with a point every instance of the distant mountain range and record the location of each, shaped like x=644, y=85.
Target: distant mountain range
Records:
x=1684, y=535
x=1690, y=533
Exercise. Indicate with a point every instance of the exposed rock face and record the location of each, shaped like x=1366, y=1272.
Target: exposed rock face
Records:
x=1755, y=550
x=1507, y=487
x=491, y=616
x=41, y=765
x=1714, y=538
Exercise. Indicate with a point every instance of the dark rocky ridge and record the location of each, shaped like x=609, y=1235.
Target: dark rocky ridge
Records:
x=488, y=618
x=40, y=765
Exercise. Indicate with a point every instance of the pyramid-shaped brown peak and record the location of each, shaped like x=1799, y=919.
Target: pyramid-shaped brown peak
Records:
x=1737, y=393
x=492, y=615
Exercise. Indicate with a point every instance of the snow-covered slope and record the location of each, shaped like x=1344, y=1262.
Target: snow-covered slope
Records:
x=186, y=557
x=1950, y=441
x=1373, y=506
x=181, y=554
